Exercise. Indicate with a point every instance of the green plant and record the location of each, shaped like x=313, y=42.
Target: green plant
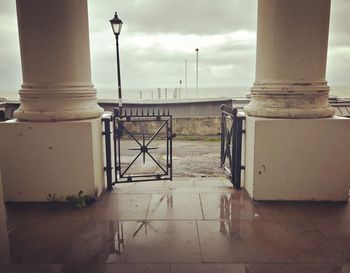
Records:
x=52, y=198
x=80, y=200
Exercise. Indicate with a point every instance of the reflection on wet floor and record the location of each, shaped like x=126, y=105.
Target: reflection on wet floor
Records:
x=189, y=225
x=227, y=223
x=169, y=201
x=117, y=233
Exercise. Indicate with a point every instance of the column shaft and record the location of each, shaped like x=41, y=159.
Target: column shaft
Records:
x=292, y=40
x=55, y=55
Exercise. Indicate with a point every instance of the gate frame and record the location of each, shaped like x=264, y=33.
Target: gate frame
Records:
x=231, y=144
x=119, y=117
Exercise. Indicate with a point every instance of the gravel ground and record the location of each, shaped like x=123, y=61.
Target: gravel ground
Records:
x=195, y=158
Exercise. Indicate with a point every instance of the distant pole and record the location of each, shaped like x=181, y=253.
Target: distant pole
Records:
x=180, y=89
x=197, y=72
x=186, y=76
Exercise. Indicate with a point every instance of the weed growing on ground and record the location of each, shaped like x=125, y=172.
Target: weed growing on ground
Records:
x=80, y=200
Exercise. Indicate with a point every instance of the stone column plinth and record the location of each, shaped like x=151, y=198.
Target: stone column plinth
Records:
x=5, y=261
x=55, y=145
x=292, y=39
x=55, y=54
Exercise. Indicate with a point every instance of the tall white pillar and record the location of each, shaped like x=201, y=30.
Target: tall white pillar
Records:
x=55, y=54
x=295, y=149
x=292, y=38
x=4, y=246
x=55, y=145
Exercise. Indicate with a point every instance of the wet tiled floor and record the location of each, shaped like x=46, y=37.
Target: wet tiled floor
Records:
x=187, y=225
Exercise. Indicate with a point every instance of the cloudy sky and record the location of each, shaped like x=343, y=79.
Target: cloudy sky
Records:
x=159, y=35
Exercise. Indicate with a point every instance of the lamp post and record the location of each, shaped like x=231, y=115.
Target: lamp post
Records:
x=197, y=72
x=116, y=24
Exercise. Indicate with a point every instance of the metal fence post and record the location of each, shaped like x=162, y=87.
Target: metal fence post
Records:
x=107, y=135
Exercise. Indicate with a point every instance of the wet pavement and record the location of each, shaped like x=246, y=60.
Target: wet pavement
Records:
x=187, y=225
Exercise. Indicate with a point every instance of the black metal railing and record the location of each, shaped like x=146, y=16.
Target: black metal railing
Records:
x=119, y=138
x=142, y=141
x=231, y=144
x=107, y=118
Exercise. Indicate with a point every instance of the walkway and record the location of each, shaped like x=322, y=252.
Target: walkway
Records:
x=188, y=225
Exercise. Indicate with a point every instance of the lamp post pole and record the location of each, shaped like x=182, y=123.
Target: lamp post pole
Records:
x=116, y=24
x=118, y=70
x=197, y=72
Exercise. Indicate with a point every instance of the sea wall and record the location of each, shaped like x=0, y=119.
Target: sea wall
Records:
x=200, y=117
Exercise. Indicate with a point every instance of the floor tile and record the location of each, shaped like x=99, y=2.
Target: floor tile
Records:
x=345, y=268
x=35, y=268
x=42, y=242
x=144, y=227
x=295, y=242
x=99, y=242
x=293, y=268
x=229, y=241
x=117, y=268
x=210, y=181
x=337, y=232
x=181, y=206
x=25, y=213
x=227, y=206
x=143, y=187
x=301, y=211
x=264, y=241
x=208, y=268
x=121, y=206
x=165, y=242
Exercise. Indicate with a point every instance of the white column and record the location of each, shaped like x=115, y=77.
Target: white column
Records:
x=56, y=143
x=4, y=246
x=55, y=54
x=292, y=39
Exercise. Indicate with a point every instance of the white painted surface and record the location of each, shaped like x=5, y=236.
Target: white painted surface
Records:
x=55, y=57
x=298, y=159
x=4, y=246
x=292, y=39
x=59, y=158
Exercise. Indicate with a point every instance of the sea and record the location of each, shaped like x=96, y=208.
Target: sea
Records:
x=179, y=93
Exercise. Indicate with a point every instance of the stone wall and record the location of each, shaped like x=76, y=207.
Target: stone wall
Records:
x=194, y=126
x=200, y=126
x=199, y=117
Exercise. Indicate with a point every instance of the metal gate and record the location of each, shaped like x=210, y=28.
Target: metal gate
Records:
x=137, y=136
x=231, y=144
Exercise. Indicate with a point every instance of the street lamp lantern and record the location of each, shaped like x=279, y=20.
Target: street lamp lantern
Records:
x=116, y=24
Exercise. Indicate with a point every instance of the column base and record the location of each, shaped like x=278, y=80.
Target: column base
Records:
x=41, y=158
x=289, y=100
x=297, y=159
x=57, y=102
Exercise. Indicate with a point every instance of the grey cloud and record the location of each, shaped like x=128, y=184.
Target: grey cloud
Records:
x=224, y=64
x=338, y=66
x=185, y=17
x=157, y=68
